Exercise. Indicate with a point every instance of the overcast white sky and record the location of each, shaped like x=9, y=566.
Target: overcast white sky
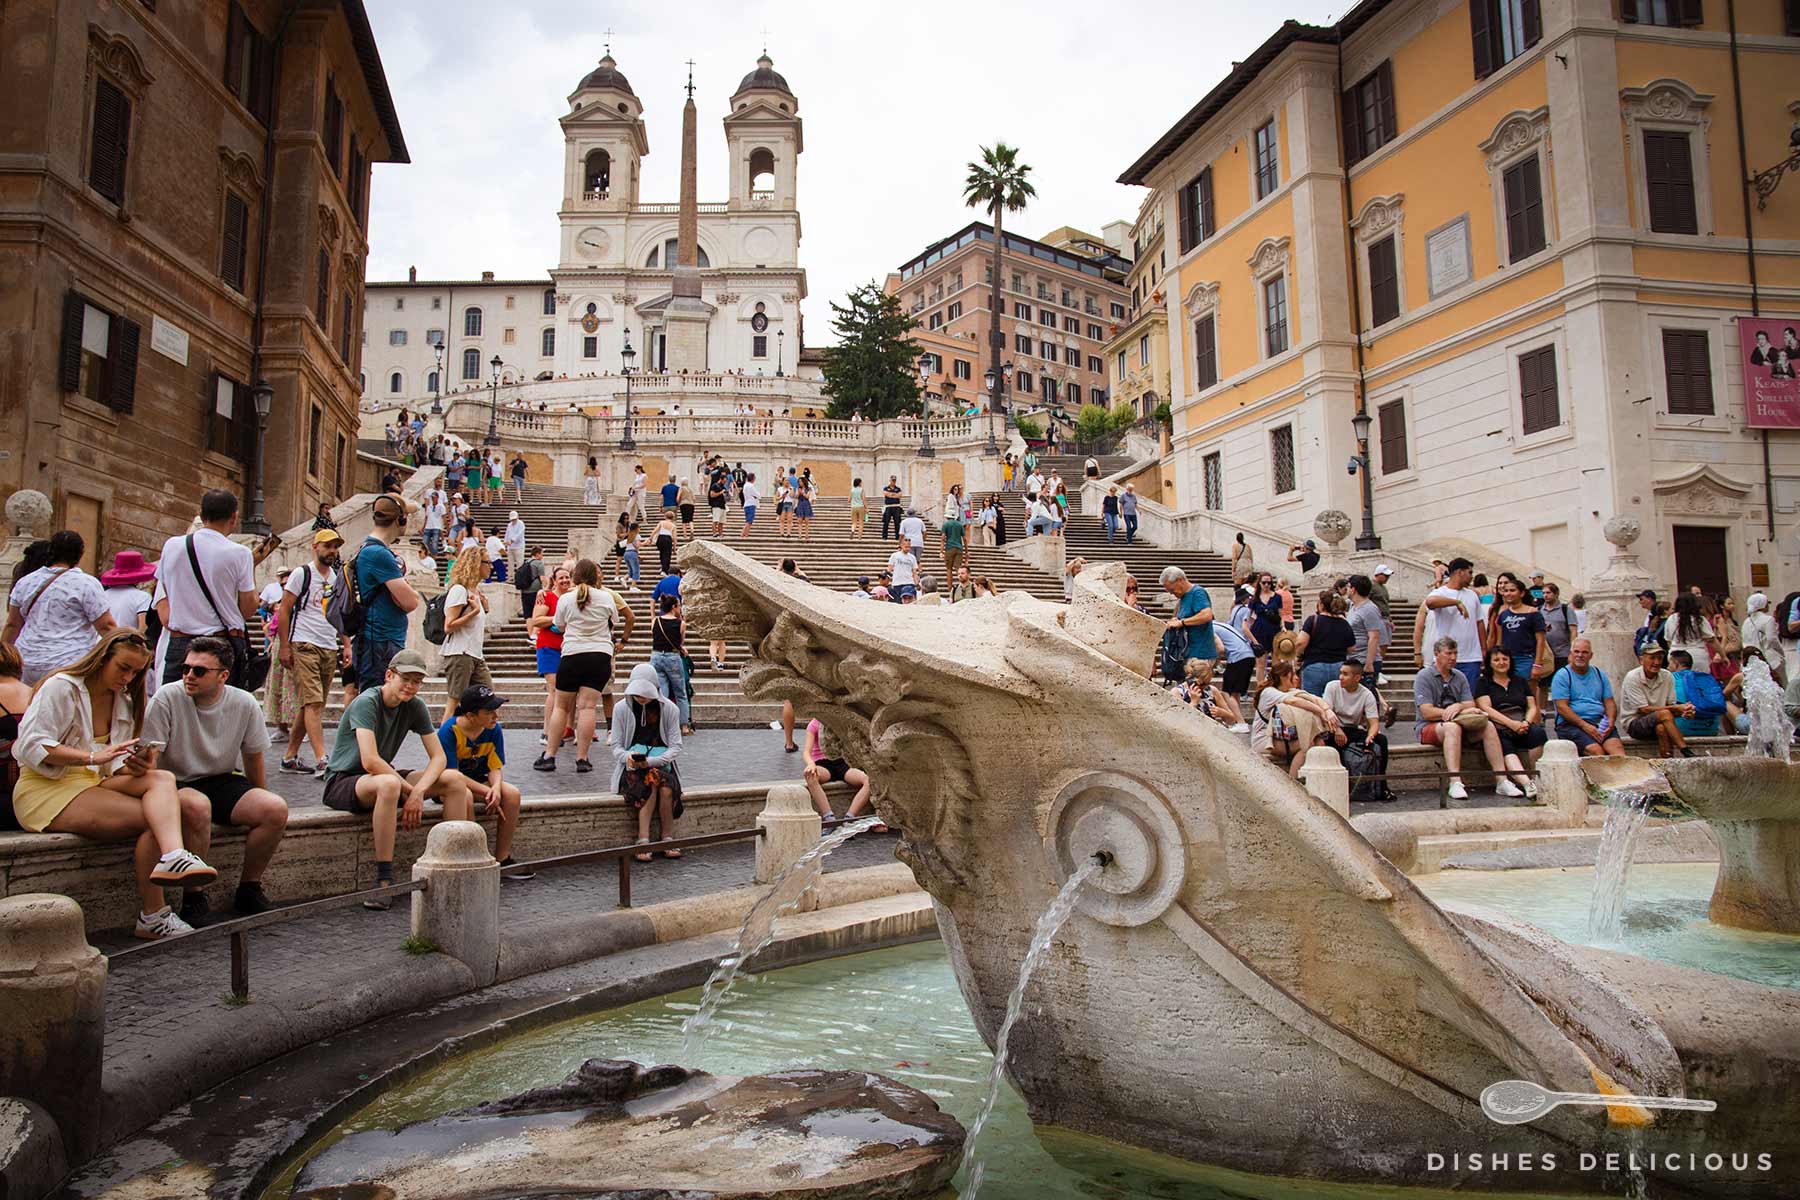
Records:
x=895, y=100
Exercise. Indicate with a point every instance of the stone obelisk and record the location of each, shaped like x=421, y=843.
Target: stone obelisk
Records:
x=688, y=316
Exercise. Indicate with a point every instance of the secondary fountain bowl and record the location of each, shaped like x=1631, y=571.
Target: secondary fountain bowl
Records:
x=1263, y=990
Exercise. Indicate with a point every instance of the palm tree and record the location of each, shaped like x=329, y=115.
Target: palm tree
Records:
x=998, y=183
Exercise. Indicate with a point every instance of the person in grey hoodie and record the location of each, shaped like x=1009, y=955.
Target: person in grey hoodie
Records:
x=646, y=741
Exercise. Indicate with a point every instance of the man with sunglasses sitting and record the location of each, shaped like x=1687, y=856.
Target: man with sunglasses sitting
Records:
x=213, y=740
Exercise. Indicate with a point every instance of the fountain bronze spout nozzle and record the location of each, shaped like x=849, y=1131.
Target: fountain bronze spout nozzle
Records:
x=1103, y=857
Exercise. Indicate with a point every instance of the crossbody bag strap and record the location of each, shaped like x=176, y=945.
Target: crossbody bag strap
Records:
x=25, y=612
x=194, y=562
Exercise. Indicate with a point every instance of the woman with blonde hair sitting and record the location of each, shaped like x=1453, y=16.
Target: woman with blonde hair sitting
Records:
x=1289, y=720
x=82, y=770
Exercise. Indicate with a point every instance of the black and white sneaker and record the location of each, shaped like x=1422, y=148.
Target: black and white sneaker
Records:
x=510, y=871
x=292, y=766
x=178, y=866
x=163, y=923
x=544, y=763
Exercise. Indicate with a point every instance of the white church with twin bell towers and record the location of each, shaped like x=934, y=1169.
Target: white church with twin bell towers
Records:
x=701, y=289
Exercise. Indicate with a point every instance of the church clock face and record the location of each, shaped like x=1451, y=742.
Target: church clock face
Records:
x=591, y=242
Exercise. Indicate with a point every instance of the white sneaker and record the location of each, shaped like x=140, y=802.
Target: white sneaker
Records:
x=178, y=866
x=1506, y=787
x=775, y=725
x=1458, y=791
x=1240, y=727
x=163, y=923
x=1531, y=788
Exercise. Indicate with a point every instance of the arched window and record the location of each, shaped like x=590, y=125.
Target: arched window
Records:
x=598, y=174
x=431, y=383
x=472, y=360
x=549, y=341
x=762, y=173
x=670, y=251
x=472, y=323
x=549, y=302
x=394, y=384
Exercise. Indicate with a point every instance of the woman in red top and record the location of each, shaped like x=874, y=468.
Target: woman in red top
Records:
x=549, y=642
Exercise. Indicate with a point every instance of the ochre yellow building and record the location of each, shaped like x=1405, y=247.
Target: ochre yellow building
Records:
x=1522, y=234
x=1137, y=353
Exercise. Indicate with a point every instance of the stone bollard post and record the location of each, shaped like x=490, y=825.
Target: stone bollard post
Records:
x=460, y=910
x=1326, y=779
x=53, y=995
x=791, y=827
x=1562, y=784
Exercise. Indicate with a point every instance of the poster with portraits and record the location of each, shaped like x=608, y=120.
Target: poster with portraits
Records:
x=1771, y=360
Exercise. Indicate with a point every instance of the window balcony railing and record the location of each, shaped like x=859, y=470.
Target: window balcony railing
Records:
x=594, y=197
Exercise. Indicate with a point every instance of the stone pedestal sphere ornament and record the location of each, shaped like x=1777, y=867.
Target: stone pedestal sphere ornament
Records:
x=28, y=512
x=1332, y=526
x=1621, y=531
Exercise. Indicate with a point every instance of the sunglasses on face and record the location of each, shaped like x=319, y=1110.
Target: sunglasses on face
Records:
x=199, y=672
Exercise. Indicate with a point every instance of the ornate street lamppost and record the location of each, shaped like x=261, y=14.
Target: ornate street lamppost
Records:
x=493, y=433
x=437, y=380
x=262, y=397
x=1366, y=540
x=628, y=356
x=780, y=348
x=925, y=450
x=1767, y=181
x=994, y=382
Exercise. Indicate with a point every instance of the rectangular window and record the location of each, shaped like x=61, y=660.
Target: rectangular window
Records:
x=1047, y=318
x=509, y=301
x=471, y=364
x=337, y=474
x=357, y=183
x=1369, y=119
x=1793, y=18
x=1687, y=366
x=549, y=302
x=1206, y=353
x=1281, y=459
x=1050, y=390
x=434, y=337
x=953, y=312
x=1502, y=30
x=1095, y=365
x=963, y=369
x=1390, y=420
x=472, y=323
x=1672, y=13
x=110, y=141
x=1117, y=310
x=1024, y=383
x=1195, y=210
x=1095, y=332
x=437, y=302
x=224, y=432
x=1275, y=322
x=1071, y=325
x=1046, y=350
x=1022, y=311
x=1143, y=349
x=396, y=337
x=332, y=128
x=315, y=438
x=590, y=348
x=399, y=303
x=234, y=241
x=1121, y=364
x=1538, y=405
x=1669, y=172
x=1072, y=356
x=322, y=299
x=507, y=337
x=1021, y=343
x=345, y=315
x=935, y=321
x=1268, y=159
x=1523, y=185
x=1212, y=475
x=548, y=349
x=249, y=65
x=1068, y=298
x=759, y=345
x=99, y=354
x=1384, y=282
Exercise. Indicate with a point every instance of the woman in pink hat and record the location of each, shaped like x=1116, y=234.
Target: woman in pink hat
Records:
x=126, y=594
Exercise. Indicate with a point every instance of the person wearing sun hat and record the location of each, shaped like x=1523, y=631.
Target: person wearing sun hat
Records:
x=126, y=597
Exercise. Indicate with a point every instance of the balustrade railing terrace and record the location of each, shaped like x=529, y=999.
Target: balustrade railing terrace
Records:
x=469, y=420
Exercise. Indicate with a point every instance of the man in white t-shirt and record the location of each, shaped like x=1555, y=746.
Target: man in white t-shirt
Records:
x=751, y=495
x=437, y=508
x=229, y=575
x=1454, y=611
x=904, y=566
x=912, y=529
x=1038, y=519
x=312, y=648
x=1034, y=484
x=634, y=499
x=496, y=552
x=515, y=543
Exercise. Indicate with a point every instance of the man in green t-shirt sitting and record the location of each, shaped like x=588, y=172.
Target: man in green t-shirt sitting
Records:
x=360, y=774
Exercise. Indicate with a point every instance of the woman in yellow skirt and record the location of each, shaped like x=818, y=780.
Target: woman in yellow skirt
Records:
x=82, y=771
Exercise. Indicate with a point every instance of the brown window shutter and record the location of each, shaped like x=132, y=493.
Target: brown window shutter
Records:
x=110, y=142
x=1628, y=11
x=123, y=352
x=1669, y=178
x=1537, y=390
x=1354, y=146
x=1205, y=193
x=1532, y=19
x=322, y=301
x=1687, y=365
x=1481, y=32
x=1206, y=353
x=1185, y=213
x=1691, y=12
x=234, y=249
x=1384, y=282
x=69, y=362
x=1384, y=86
x=1392, y=420
x=1793, y=18
x=234, y=52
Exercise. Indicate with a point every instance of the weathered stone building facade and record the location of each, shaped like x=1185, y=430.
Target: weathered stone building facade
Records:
x=183, y=210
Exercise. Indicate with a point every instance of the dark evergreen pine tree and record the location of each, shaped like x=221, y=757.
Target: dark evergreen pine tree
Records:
x=873, y=370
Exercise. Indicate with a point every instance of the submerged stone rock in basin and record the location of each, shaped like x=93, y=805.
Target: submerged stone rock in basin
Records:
x=616, y=1128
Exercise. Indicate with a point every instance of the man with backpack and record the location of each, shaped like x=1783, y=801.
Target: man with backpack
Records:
x=314, y=643
x=385, y=595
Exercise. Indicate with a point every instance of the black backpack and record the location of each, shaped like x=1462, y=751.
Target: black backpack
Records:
x=343, y=610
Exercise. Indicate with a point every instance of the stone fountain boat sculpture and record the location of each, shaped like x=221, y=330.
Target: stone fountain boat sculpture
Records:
x=1255, y=985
